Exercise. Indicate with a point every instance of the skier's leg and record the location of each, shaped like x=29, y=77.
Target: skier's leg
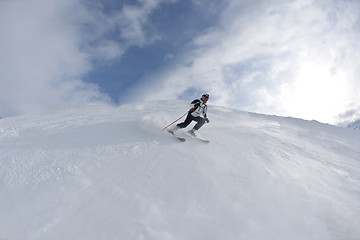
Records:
x=187, y=121
x=200, y=121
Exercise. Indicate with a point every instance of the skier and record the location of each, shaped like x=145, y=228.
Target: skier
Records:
x=196, y=113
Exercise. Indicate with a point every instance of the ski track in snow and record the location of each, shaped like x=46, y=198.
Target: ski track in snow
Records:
x=102, y=172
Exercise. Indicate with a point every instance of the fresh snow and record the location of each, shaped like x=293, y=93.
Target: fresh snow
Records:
x=103, y=172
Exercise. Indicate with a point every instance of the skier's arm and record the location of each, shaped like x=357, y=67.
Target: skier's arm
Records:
x=194, y=105
x=205, y=115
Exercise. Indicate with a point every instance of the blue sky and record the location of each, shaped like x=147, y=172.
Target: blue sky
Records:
x=174, y=24
x=296, y=58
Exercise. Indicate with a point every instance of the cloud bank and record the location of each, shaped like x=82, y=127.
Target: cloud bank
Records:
x=48, y=46
x=296, y=58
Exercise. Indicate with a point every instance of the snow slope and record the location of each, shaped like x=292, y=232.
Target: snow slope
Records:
x=102, y=172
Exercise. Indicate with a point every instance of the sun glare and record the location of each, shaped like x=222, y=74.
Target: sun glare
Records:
x=317, y=93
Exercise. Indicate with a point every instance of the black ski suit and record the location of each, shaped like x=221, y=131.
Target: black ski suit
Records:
x=197, y=113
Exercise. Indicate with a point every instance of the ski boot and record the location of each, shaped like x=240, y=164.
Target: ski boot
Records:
x=192, y=132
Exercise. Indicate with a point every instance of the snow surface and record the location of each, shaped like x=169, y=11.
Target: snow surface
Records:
x=102, y=172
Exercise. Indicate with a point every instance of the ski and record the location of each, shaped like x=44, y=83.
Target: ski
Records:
x=176, y=137
x=203, y=140
x=198, y=138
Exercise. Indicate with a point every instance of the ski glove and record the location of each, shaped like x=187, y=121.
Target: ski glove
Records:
x=207, y=120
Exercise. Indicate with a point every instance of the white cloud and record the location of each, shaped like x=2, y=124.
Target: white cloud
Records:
x=38, y=51
x=47, y=46
x=352, y=114
x=284, y=57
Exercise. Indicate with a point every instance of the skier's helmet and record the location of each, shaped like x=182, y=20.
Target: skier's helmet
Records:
x=205, y=95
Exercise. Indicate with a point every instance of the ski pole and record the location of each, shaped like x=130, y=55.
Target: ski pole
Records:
x=174, y=121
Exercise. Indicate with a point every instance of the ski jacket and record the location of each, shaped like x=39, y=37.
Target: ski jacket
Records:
x=198, y=108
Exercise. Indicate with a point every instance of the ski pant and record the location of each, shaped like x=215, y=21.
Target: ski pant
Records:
x=200, y=121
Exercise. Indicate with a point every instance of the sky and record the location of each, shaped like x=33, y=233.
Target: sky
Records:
x=298, y=58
